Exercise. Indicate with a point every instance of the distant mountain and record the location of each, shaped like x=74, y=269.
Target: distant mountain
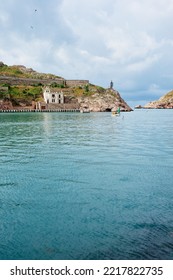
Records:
x=22, y=87
x=165, y=102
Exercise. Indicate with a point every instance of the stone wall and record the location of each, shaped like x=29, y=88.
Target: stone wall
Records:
x=74, y=106
x=28, y=81
x=73, y=83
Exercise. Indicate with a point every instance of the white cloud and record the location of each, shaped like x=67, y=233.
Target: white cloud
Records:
x=128, y=41
x=142, y=64
x=4, y=19
x=23, y=53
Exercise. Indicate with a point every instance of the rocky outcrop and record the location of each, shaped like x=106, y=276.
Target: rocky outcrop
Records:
x=110, y=100
x=22, y=86
x=165, y=102
x=6, y=105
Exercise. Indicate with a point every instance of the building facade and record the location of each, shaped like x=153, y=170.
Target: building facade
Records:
x=53, y=96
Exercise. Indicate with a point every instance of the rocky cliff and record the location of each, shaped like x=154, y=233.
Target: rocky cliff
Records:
x=165, y=102
x=109, y=100
x=22, y=87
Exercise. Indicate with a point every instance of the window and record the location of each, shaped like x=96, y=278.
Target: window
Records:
x=53, y=95
x=53, y=100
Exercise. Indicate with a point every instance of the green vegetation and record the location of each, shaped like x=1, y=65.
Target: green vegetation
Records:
x=55, y=85
x=29, y=93
x=87, y=93
x=86, y=88
x=20, y=71
x=11, y=71
x=4, y=95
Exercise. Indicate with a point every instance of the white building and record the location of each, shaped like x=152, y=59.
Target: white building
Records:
x=51, y=95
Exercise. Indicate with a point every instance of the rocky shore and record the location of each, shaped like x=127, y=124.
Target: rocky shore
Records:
x=109, y=101
x=22, y=88
x=165, y=102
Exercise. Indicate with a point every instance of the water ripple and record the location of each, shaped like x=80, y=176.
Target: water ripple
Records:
x=86, y=186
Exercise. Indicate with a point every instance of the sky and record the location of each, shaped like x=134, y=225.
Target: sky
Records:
x=127, y=41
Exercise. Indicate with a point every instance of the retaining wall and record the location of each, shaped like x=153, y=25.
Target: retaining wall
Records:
x=29, y=82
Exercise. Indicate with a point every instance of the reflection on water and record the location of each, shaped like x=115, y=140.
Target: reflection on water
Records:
x=86, y=186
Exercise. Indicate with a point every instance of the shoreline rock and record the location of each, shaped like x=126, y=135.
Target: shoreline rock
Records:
x=165, y=102
x=108, y=101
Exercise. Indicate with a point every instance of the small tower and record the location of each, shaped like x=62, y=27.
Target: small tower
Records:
x=111, y=85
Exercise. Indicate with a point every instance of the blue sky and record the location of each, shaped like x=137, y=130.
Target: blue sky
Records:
x=127, y=41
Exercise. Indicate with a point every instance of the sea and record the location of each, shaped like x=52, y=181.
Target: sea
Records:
x=89, y=186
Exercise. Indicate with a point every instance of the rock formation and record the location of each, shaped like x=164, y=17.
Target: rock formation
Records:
x=110, y=100
x=165, y=102
x=6, y=105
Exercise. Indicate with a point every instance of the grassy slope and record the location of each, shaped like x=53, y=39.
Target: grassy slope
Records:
x=22, y=72
x=18, y=93
x=34, y=93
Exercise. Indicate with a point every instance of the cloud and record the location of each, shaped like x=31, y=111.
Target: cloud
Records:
x=4, y=19
x=127, y=41
x=103, y=32
x=24, y=53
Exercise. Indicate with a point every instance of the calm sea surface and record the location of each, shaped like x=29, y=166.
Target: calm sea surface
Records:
x=86, y=186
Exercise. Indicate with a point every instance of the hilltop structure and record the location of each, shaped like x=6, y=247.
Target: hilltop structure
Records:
x=111, y=85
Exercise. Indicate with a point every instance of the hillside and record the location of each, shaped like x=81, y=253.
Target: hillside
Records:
x=165, y=102
x=22, y=87
x=20, y=71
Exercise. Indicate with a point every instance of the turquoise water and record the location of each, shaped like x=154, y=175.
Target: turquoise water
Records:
x=86, y=186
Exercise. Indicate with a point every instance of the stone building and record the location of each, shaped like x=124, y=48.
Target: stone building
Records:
x=53, y=96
